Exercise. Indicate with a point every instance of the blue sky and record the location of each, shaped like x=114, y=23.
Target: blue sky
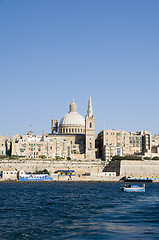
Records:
x=54, y=50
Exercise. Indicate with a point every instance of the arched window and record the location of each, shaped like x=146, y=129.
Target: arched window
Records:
x=78, y=130
x=72, y=130
x=69, y=130
x=66, y=130
x=90, y=145
x=63, y=130
x=90, y=125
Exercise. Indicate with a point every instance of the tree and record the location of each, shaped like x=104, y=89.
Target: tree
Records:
x=45, y=171
x=155, y=158
x=147, y=158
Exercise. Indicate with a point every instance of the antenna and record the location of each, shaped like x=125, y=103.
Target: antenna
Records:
x=31, y=128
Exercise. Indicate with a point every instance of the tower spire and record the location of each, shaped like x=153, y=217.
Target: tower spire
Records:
x=89, y=111
x=90, y=133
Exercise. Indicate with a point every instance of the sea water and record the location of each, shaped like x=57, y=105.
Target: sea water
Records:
x=60, y=210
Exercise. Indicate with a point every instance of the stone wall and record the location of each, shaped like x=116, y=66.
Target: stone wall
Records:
x=146, y=168
x=81, y=178
x=128, y=168
x=79, y=166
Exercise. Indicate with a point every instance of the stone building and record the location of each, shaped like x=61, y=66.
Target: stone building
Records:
x=90, y=133
x=77, y=133
x=5, y=145
x=28, y=145
x=155, y=140
x=73, y=137
x=120, y=142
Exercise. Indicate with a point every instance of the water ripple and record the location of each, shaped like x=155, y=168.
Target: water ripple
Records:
x=77, y=211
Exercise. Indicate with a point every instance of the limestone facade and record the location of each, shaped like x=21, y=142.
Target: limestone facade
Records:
x=28, y=145
x=120, y=142
x=73, y=138
x=155, y=140
x=5, y=145
x=72, y=122
x=147, y=168
x=90, y=133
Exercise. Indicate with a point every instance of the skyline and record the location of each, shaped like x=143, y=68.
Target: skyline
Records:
x=54, y=51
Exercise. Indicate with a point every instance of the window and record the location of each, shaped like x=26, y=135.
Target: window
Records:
x=69, y=130
x=90, y=145
x=90, y=125
x=72, y=130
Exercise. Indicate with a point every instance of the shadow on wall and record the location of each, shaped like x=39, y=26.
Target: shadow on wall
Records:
x=113, y=166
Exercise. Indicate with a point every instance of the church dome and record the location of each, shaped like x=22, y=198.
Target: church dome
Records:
x=72, y=122
x=72, y=119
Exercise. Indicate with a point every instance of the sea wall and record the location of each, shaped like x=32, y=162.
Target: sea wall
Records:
x=128, y=168
x=30, y=165
x=146, y=168
x=82, y=178
x=84, y=170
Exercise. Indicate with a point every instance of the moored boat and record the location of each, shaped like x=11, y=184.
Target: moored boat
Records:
x=22, y=176
x=133, y=188
x=139, y=179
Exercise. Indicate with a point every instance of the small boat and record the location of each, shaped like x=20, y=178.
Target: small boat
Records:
x=133, y=188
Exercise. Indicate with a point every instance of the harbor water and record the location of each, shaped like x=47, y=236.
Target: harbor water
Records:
x=77, y=210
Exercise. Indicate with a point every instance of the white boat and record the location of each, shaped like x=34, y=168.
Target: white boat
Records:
x=133, y=188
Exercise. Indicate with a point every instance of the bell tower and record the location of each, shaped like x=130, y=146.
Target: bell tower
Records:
x=54, y=126
x=90, y=133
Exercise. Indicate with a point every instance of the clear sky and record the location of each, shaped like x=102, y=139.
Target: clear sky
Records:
x=54, y=50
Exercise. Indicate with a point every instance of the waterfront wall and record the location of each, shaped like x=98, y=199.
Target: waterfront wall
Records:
x=146, y=168
x=82, y=178
x=30, y=165
x=128, y=168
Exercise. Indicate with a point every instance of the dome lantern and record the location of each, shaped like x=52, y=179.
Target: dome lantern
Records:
x=73, y=106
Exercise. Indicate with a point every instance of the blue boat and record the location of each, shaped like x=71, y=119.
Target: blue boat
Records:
x=33, y=177
x=133, y=188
